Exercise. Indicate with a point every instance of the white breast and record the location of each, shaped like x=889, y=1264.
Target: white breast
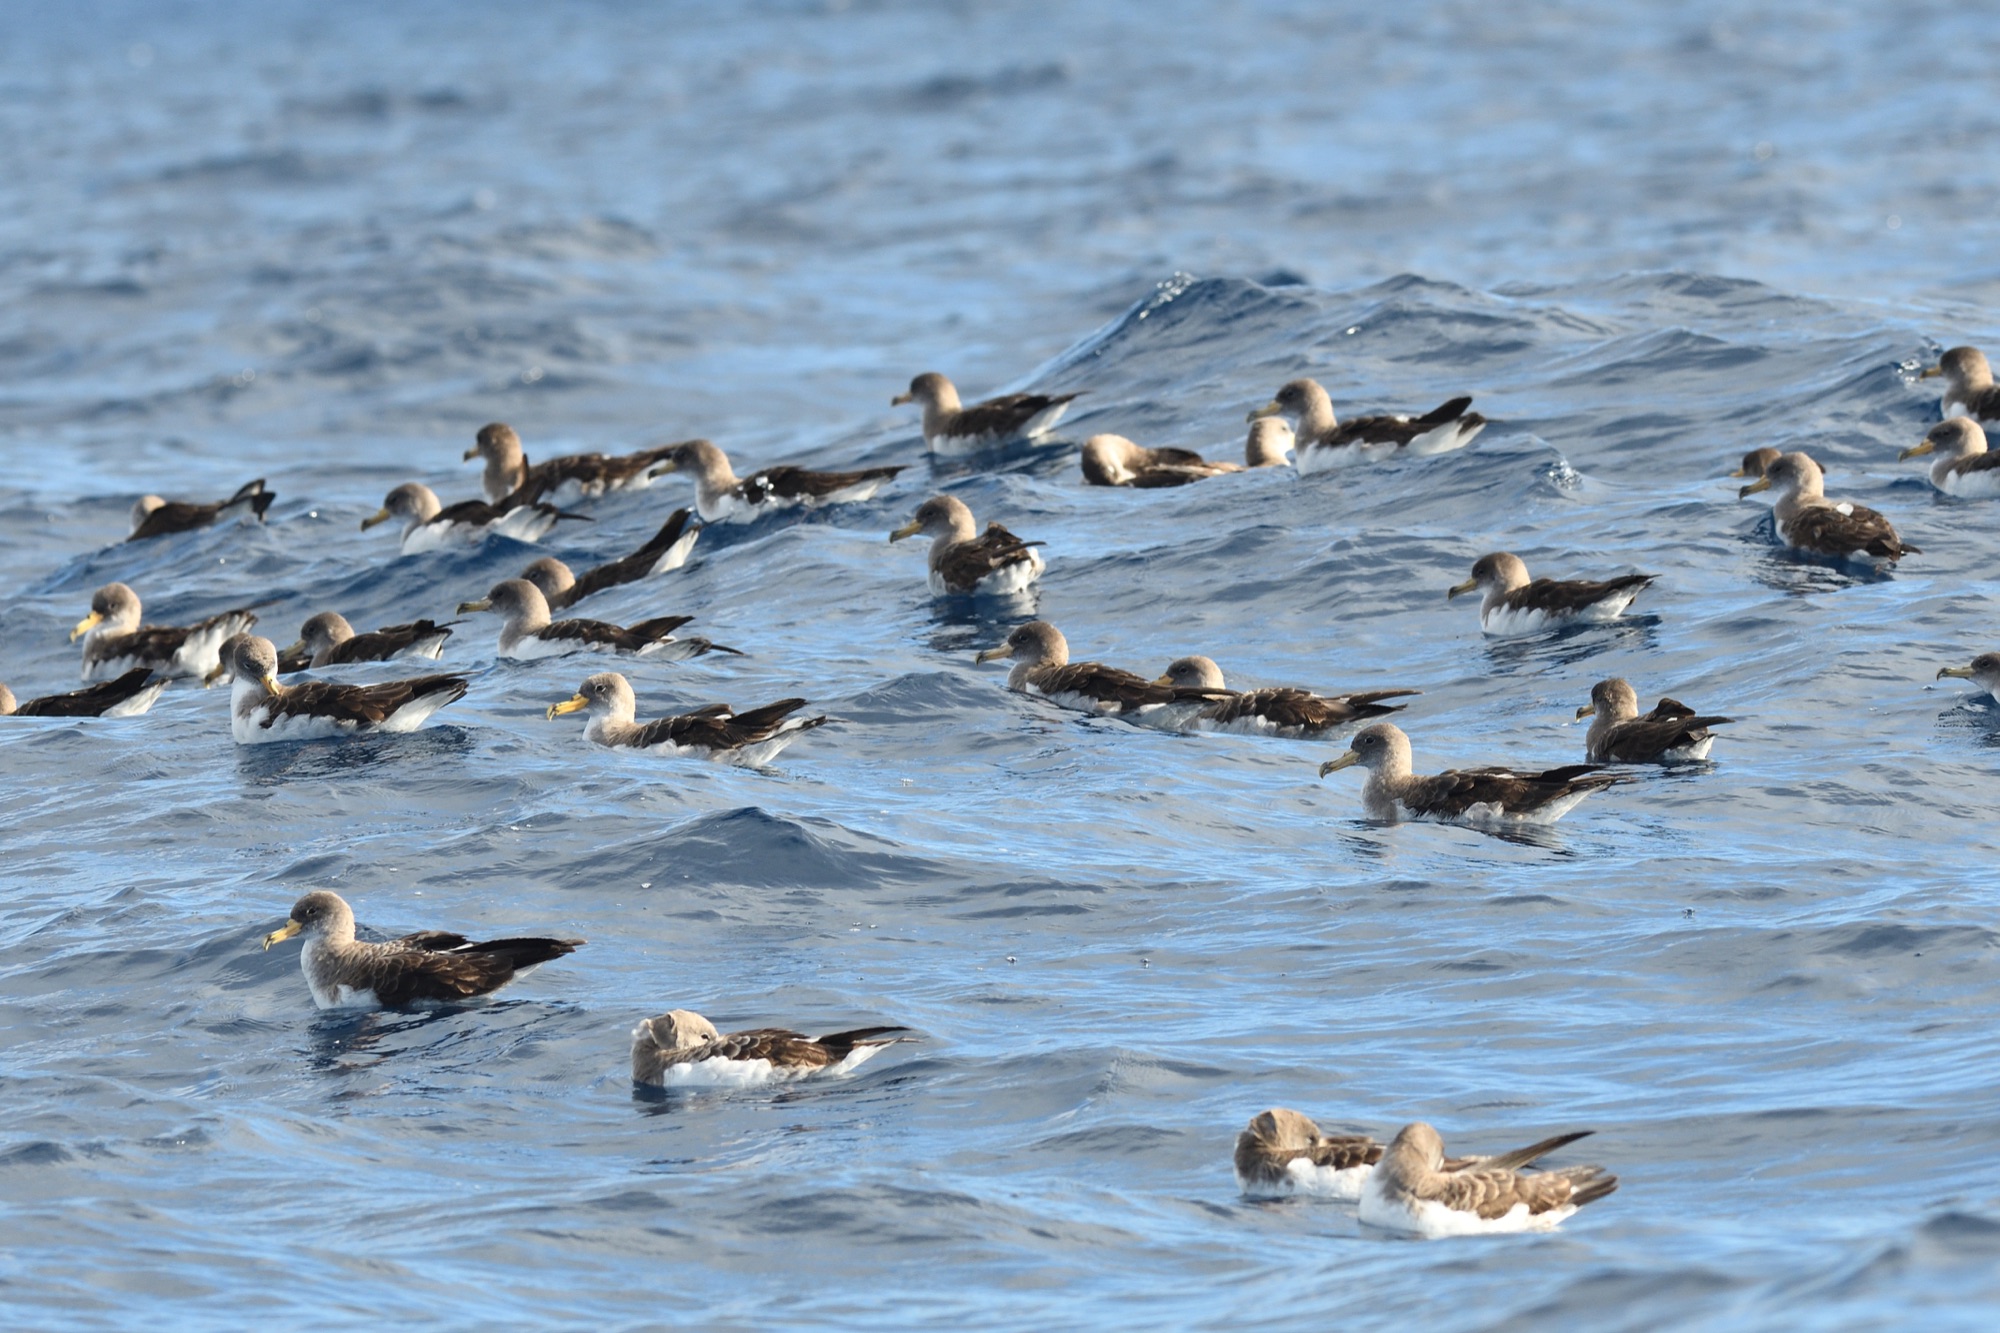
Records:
x=1432, y=1220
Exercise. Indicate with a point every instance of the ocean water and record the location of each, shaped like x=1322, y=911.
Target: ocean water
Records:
x=325, y=245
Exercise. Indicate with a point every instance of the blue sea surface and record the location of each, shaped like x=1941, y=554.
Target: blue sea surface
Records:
x=324, y=244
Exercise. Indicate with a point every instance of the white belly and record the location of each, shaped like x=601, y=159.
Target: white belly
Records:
x=1304, y=1178
x=677, y=554
x=1506, y=622
x=1451, y=436
x=1981, y=485
x=1432, y=1220
x=532, y=648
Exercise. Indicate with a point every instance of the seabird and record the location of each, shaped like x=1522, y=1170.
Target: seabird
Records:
x=1322, y=442
x=154, y=517
x=261, y=710
x=431, y=966
x=1984, y=672
x=1042, y=666
x=681, y=1048
x=114, y=642
x=1414, y=1189
x=1514, y=605
x=1757, y=462
x=1269, y=444
x=964, y=562
x=511, y=480
x=720, y=495
x=1670, y=734
x=1969, y=390
x=528, y=633
x=1113, y=460
x=1293, y=714
x=328, y=640
x=1809, y=522
x=1479, y=797
x=666, y=551
x=1963, y=465
x=128, y=696
x=427, y=526
x=1283, y=1152
x=951, y=429
x=753, y=737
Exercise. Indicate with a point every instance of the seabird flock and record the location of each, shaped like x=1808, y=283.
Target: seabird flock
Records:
x=1407, y=1184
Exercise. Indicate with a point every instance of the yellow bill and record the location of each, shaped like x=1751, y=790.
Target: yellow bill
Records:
x=86, y=625
x=472, y=453
x=1916, y=450
x=902, y=398
x=569, y=705
x=379, y=516
x=282, y=933
x=1963, y=673
x=910, y=529
x=1761, y=484
x=1457, y=588
x=993, y=654
x=1269, y=409
x=1931, y=373
x=1587, y=710
x=483, y=604
x=1348, y=760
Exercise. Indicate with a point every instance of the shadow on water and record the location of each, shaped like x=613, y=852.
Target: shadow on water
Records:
x=1046, y=458
x=967, y=624
x=313, y=761
x=1797, y=574
x=1572, y=644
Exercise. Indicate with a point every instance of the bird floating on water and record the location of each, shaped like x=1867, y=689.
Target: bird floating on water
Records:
x=1414, y=1189
x=262, y=710
x=1323, y=442
x=1670, y=734
x=114, y=642
x=1811, y=523
x=1292, y=714
x=680, y=1048
x=1113, y=460
x=1488, y=798
x=1283, y=1152
x=1514, y=605
x=428, y=967
x=509, y=479
x=429, y=526
x=327, y=639
x=665, y=551
x=154, y=517
x=963, y=561
x=753, y=737
x=1969, y=390
x=128, y=696
x=721, y=496
x=1963, y=466
x=1042, y=667
x=1269, y=443
x=527, y=632
x=952, y=429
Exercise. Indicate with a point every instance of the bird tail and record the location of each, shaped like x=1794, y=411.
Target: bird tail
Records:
x=1534, y=1152
x=659, y=627
x=251, y=495
x=526, y=952
x=1593, y=1187
x=1445, y=412
x=669, y=533
x=845, y=1042
x=770, y=715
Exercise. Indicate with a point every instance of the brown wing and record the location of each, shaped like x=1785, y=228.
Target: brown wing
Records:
x=626, y=569
x=1645, y=739
x=796, y=483
x=1157, y=476
x=965, y=563
x=1456, y=791
x=1286, y=707
x=1492, y=1192
x=426, y=966
x=1396, y=430
x=365, y=705
x=476, y=512
x=1002, y=418
x=382, y=644
x=792, y=1050
x=1519, y=1157
x=1094, y=680
x=90, y=701
x=1985, y=462
x=588, y=470
x=1827, y=531
x=717, y=728
x=1567, y=597
x=175, y=516
x=627, y=639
